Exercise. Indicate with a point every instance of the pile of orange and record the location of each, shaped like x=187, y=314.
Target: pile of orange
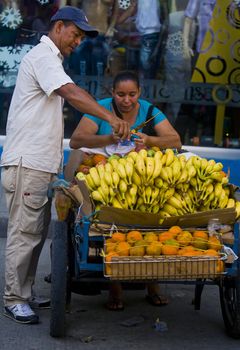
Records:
x=174, y=241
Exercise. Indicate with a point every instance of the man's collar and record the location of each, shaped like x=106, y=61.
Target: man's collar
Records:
x=46, y=40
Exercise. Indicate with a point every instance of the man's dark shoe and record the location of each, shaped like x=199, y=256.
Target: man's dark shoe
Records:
x=21, y=313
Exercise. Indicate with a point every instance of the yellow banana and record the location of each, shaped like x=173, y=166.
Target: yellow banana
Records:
x=155, y=209
x=163, y=159
x=112, y=194
x=101, y=170
x=237, y=209
x=227, y=191
x=129, y=171
x=108, y=167
x=193, y=182
x=209, y=167
x=122, y=161
x=97, y=196
x=170, y=174
x=121, y=171
x=129, y=200
x=191, y=171
x=133, y=190
x=223, y=202
x=140, y=167
x=143, y=208
x=216, y=176
x=95, y=176
x=183, y=177
x=176, y=169
x=139, y=202
x=231, y=203
x=108, y=178
x=116, y=203
x=136, y=179
x=158, y=155
x=170, y=156
x=163, y=214
x=142, y=153
x=80, y=176
x=154, y=194
x=182, y=160
x=169, y=193
x=170, y=209
x=158, y=182
x=115, y=178
x=196, y=162
x=157, y=167
x=90, y=183
x=218, y=189
x=132, y=155
x=164, y=174
x=189, y=162
x=217, y=167
x=113, y=162
x=148, y=194
x=203, y=164
x=174, y=202
x=130, y=160
x=105, y=189
x=122, y=188
x=150, y=164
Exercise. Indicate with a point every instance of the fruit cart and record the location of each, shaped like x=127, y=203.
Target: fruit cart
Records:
x=80, y=255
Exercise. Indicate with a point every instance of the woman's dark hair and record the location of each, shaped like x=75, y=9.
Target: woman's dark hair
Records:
x=124, y=76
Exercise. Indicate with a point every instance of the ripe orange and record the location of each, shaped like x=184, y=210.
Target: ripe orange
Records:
x=118, y=237
x=154, y=249
x=138, y=249
x=184, y=238
x=214, y=243
x=165, y=235
x=134, y=236
x=211, y=252
x=150, y=237
x=175, y=230
x=99, y=158
x=169, y=249
x=200, y=234
x=122, y=248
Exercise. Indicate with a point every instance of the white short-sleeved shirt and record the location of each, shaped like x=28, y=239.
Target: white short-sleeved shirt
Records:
x=35, y=119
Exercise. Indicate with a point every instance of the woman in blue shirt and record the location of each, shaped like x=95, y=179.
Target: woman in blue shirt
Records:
x=93, y=132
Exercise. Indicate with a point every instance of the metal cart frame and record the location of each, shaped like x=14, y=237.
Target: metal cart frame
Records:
x=73, y=272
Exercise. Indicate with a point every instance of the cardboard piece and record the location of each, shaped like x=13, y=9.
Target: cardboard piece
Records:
x=135, y=217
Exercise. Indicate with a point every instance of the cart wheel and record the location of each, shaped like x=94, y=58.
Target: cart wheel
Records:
x=230, y=304
x=59, y=280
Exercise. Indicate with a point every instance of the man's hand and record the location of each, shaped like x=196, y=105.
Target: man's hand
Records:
x=120, y=128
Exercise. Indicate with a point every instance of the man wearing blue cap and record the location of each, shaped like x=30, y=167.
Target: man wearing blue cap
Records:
x=32, y=152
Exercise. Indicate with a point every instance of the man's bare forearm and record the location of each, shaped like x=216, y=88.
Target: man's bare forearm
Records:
x=83, y=101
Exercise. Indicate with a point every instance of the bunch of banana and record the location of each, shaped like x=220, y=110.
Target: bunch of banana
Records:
x=160, y=183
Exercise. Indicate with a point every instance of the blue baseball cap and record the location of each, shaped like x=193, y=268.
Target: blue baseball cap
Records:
x=77, y=16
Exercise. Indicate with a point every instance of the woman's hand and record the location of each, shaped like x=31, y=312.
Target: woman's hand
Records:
x=142, y=139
